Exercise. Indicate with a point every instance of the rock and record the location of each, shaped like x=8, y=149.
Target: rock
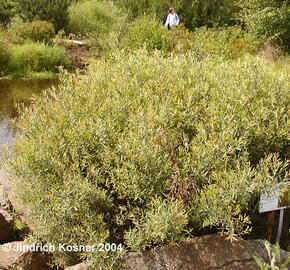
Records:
x=6, y=219
x=81, y=266
x=6, y=229
x=10, y=259
x=201, y=253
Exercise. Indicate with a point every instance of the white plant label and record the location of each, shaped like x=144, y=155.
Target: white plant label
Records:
x=271, y=201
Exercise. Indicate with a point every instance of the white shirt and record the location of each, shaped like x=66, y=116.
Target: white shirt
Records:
x=172, y=19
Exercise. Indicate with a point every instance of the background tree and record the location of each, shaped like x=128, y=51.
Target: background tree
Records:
x=209, y=13
x=158, y=7
x=268, y=19
x=54, y=11
x=6, y=10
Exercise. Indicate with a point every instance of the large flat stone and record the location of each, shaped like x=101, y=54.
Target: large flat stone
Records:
x=80, y=266
x=201, y=253
x=6, y=219
x=11, y=259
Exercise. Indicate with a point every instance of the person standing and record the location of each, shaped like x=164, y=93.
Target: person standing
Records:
x=171, y=19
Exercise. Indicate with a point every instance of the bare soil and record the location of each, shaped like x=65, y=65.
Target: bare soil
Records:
x=79, y=55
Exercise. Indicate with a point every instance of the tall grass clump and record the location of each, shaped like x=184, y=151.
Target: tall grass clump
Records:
x=94, y=17
x=36, y=57
x=143, y=149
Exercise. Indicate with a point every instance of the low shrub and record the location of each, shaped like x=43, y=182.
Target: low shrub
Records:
x=36, y=57
x=106, y=45
x=35, y=31
x=182, y=39
x=274, y=254
x=142, y=149
x=94, y=17
x=230, y=42
x=147, y=32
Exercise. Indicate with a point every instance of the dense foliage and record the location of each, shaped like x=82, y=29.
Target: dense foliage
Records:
x=231, y=42
x=27, y=48
x=120, y=155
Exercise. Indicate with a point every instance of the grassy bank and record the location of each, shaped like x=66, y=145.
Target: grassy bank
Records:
x=27, y=51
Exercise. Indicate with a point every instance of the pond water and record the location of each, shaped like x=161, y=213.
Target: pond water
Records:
x=14, y=93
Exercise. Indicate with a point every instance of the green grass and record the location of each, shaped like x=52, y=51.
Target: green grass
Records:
x=36, y=58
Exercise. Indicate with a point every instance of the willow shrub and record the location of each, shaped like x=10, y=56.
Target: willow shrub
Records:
x=230, y=42
x=143, y=149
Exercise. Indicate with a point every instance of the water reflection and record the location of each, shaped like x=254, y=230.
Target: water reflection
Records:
x=15, y=93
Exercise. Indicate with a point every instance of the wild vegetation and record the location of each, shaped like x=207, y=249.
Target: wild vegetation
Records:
x=165, y=134
x=219, y=27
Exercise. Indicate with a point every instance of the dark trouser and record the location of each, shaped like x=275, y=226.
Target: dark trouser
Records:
x=169, y=27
